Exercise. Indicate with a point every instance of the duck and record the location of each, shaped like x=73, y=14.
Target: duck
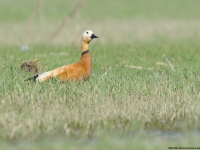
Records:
x=79, y=71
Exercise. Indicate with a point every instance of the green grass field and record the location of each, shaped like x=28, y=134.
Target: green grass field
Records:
x=119, y=106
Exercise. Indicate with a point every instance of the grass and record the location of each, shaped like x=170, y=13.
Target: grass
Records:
x=114, y=111
x=125, y=100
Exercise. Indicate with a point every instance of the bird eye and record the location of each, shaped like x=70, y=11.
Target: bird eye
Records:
x=87, y=32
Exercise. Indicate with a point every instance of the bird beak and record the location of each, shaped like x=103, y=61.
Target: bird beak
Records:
x=93, y=36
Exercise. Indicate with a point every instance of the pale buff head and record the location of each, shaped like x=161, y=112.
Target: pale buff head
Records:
x=88, y=35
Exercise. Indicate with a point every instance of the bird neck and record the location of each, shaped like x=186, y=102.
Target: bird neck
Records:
x=85, y=52
x=86, y=60
x=84, y=46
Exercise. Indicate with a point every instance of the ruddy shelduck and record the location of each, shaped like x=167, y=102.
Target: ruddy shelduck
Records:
x=72, y=72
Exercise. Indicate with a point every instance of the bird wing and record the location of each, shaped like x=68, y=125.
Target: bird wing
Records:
x=68, y=72
x=50, y=74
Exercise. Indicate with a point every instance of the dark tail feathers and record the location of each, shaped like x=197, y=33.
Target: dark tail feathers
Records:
x=32, y=78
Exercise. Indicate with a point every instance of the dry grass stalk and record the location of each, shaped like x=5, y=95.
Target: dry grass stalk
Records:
x=68, y=18
x=168, y=62
x=138, y=67
x=161, y=64
x=30, y=21
x=106, y=72
x=30, y=66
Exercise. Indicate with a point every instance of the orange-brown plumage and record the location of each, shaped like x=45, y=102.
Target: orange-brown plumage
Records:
x=73, y=72
x=78, y=71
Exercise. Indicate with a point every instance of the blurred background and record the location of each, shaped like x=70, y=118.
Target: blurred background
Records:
x=114, y=21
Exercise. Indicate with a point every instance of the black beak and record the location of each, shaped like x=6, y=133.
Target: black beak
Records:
x=93, y=36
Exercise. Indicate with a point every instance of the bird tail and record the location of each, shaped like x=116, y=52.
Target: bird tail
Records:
x=32, y=78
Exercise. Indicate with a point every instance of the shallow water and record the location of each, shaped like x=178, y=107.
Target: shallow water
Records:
x=139, y=140
x=165, y=134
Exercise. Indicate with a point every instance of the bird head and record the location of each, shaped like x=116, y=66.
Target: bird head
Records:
x=88, y=35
